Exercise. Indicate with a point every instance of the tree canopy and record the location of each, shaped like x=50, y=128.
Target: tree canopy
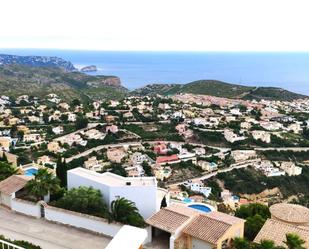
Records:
x=43, y=183
x=6, y=170
x=84, y=200
x=255, y=215
x=125, y=211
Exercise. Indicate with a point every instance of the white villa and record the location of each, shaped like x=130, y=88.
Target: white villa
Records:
x=261, y=135
x=232, y=137
x=143, y=191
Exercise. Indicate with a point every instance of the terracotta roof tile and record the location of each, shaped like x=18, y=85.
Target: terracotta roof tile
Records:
x=276, y=230
x=207, y=228
x=164, y=159
x=13, y=184
x=290, y=212
x=167, y=220
x=171, y=218
x=229, y=219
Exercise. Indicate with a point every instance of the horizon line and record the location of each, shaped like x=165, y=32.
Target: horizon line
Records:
x=158, y=51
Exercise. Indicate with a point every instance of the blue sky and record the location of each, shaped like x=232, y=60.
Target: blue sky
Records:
x=185, y=25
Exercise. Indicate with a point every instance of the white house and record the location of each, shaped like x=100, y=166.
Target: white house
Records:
x=243, y=155
x=264, y=136
x=291, y=169
x=198, y=187
x=295, y=127
x=232, y=137
x=142, y=191
x=71, y=117
x=58, y=130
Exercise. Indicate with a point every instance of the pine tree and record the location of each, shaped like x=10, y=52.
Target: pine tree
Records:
x=4, y=157
x=61, y=172
x=163, y=202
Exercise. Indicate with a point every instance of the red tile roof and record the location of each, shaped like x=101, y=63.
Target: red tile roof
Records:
x=166, y=159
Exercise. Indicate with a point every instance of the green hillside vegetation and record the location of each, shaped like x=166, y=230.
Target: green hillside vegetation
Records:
x=16, y=80
x=215, y=88
x=160, y=89
x=219, y=89
x=250, y=181
x=272, y=93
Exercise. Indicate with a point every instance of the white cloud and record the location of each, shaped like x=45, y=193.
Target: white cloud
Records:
x=221, y=25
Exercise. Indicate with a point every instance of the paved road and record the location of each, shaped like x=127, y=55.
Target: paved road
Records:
x=295, y=149
x=46, y=234
x=98, y=148
x=101, y=147
x=209, y=175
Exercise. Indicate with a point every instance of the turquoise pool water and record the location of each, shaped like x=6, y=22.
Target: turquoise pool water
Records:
x=200, y=207
x=31, y=172
x=187, y=200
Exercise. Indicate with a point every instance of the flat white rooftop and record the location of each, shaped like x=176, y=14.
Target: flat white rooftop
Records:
x=128, y=237
x=113, y=179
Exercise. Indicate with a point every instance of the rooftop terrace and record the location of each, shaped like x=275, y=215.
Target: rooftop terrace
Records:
x=113, y=179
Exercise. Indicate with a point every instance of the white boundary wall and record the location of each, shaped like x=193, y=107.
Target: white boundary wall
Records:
x=74, y=219
x=26, y=207
x=91, y=223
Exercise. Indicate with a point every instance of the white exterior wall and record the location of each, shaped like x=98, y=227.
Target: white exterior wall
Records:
x=25, y=207
x=5, y=199
x=149, y=235
x=75, y=181
x=144, y=197
x=78, y=220
x=199, y=244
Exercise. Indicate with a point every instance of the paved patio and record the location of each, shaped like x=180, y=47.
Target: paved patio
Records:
x=46, y=234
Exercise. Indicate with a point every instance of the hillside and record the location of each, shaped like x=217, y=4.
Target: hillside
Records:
x=273, y=93
x=37, y=61
x=17, y=80
x=220, y=89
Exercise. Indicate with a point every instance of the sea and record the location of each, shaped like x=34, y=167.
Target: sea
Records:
x=136, y=69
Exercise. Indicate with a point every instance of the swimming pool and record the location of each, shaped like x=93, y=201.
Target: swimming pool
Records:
x=31, y=172
x=201, y=207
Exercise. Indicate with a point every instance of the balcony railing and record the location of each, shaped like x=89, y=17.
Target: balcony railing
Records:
x=8, y=245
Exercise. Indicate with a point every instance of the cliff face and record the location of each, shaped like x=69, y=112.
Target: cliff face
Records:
x=37, y=61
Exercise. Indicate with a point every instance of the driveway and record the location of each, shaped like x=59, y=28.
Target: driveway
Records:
x=46, y=234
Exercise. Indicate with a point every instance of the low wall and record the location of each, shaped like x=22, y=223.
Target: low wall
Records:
x=26, y=207
x=91, y=223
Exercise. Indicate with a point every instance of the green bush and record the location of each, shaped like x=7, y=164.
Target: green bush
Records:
x=84, y=200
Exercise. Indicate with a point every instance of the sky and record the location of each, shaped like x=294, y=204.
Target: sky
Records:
x=156, y=25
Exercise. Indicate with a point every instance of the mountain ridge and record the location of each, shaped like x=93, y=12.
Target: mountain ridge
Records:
x=17, y=80
x=219, y=89
x=37, y=61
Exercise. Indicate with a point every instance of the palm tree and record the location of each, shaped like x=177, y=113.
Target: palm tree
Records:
x=43, y=184
x=267, y=244
x=240, y=243
x=293, y=241
x=125, y=211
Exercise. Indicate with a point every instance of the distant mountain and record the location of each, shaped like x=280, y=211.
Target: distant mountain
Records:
x=37, y=61
x=219, y=89
x=17, y=80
